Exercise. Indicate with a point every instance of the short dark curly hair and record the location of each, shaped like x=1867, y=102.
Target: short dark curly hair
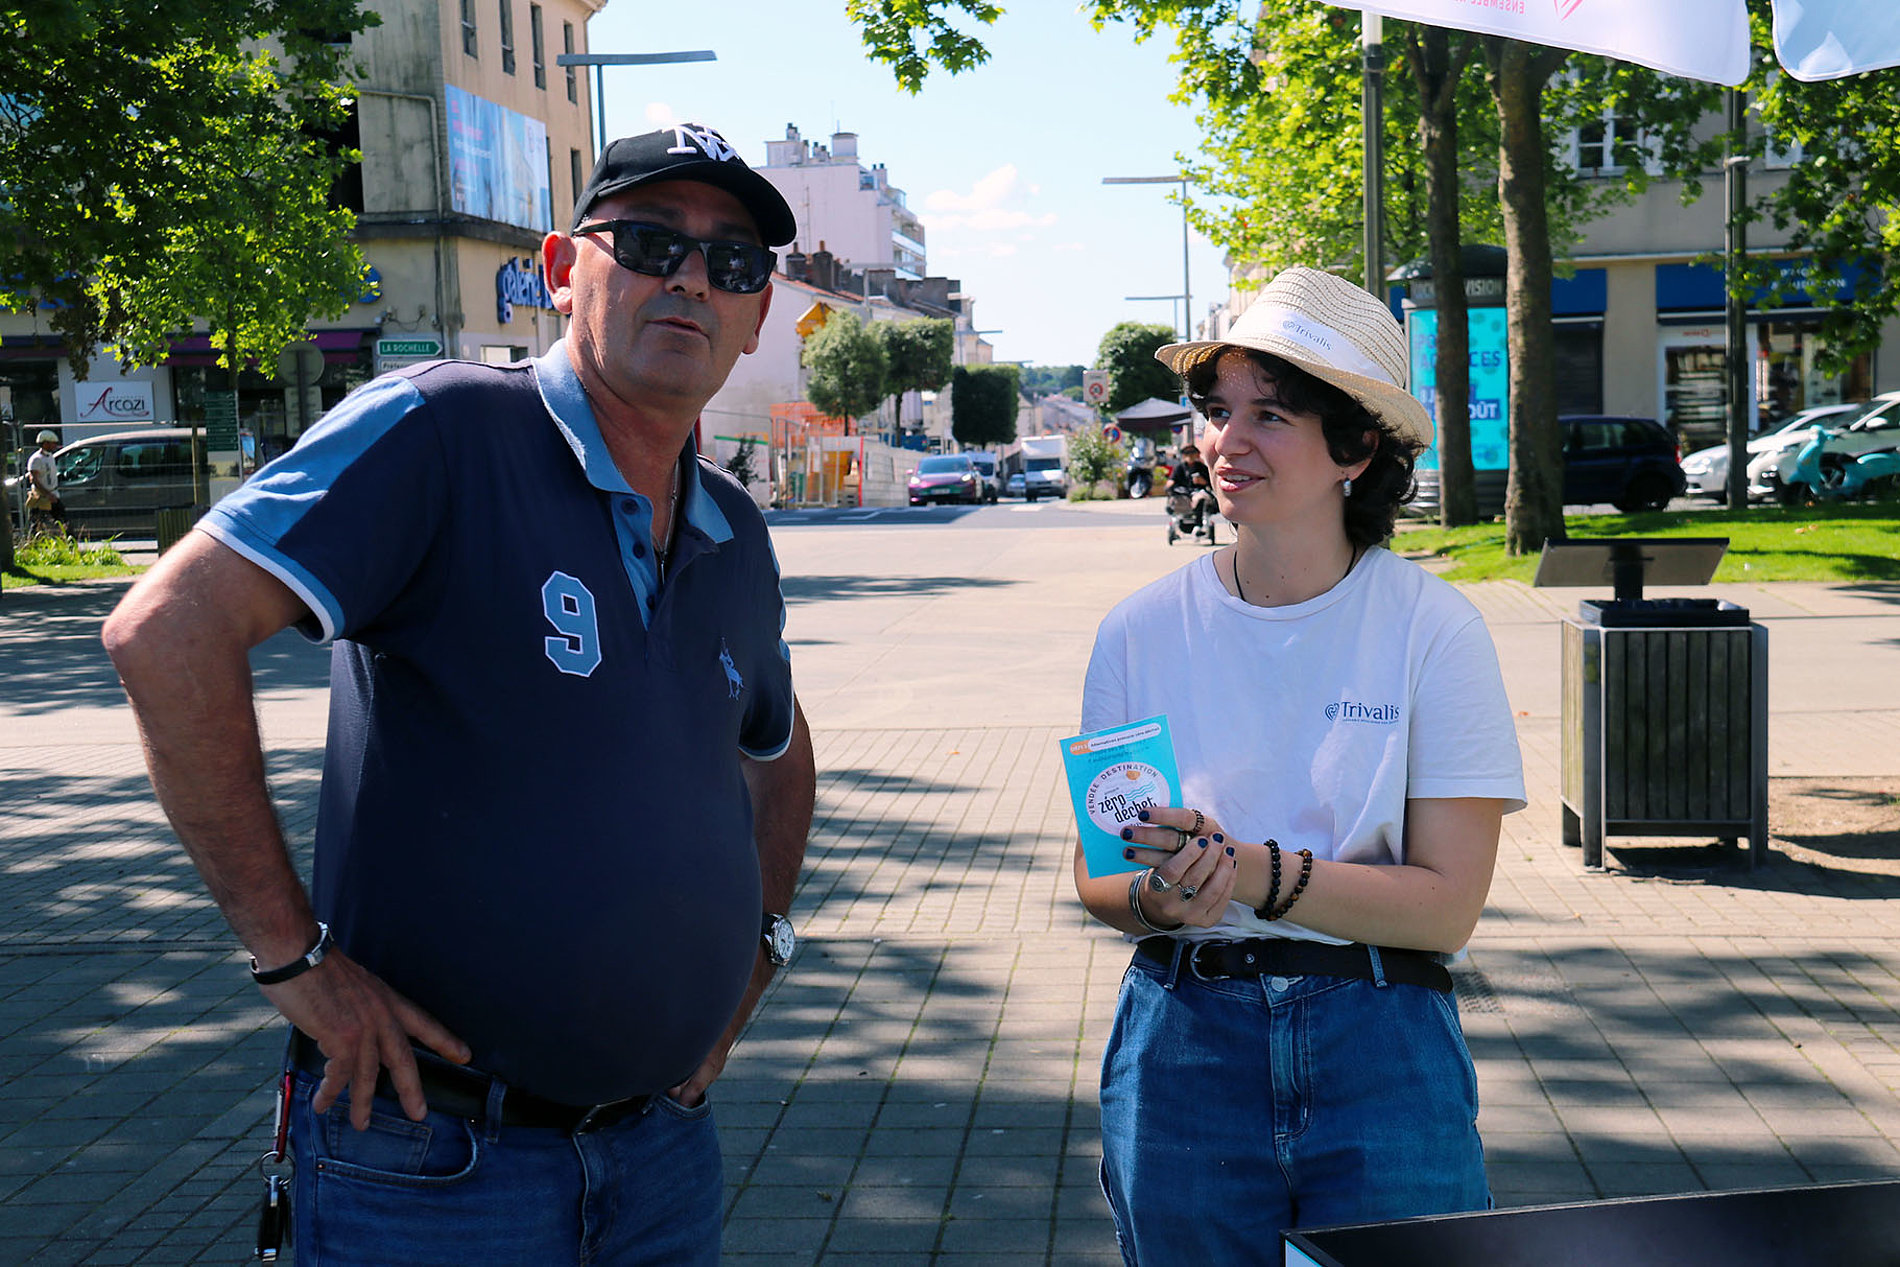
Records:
x=1385, y=484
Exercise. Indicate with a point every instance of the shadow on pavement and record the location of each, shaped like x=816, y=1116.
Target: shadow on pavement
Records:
x=836, y=587
x=1717, y=866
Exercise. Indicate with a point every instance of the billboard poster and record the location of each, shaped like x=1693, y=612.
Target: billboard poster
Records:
x=498, y=163
x=1490, y=383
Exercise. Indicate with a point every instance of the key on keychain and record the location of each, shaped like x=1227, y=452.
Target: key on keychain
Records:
x=273, y=1221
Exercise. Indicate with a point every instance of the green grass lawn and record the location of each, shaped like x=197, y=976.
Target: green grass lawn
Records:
x=1766, y=543
x=54, y=559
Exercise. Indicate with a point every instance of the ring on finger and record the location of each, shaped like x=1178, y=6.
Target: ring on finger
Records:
x=1200, y=821
x=1159, y=883
x=1188, y=891
x=1181, y=837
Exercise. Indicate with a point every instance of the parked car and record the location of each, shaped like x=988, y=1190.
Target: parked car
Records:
x=1632, y=463
x=1707, y=469
x=986, y=467
x=119, y=482
x=1876, y=427
x=1014, y=486
x=946, y=478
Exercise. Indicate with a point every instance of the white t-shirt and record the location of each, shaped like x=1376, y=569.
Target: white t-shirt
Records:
x=42, y=465
x=1312, y=724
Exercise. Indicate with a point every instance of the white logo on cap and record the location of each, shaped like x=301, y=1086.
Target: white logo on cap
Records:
x=702, y=141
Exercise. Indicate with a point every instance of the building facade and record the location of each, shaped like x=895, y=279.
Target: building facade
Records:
x=844, y=207
x=474, y=143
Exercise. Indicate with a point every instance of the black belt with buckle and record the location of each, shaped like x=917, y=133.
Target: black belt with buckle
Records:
x=463, y=1092
x=1284, y=957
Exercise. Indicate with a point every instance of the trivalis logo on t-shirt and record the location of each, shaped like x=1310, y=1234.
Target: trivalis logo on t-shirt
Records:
x=1346, y=710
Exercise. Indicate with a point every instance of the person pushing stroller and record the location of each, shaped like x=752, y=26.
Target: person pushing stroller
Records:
x=1191, y=507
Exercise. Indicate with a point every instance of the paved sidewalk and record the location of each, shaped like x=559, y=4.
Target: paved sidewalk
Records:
x=920, y=1087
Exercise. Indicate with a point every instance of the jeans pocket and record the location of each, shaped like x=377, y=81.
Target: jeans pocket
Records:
x=396, y=1151
x=664, y=1103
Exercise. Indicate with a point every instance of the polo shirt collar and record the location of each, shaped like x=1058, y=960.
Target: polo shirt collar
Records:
x=567, y=404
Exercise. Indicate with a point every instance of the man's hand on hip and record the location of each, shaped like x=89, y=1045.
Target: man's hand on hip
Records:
x=362, y=1027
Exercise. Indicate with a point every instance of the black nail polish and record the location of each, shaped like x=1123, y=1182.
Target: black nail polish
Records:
x=1202, y=842
x=1230, y=851
x=1143, y=816
x=1219, y=839
x=1129, y=854
x=1128, y=833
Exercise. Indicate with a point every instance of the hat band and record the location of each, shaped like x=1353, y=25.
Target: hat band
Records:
x=1327, y=344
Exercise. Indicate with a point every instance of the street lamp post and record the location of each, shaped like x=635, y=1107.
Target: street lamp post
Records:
x=1372, y=113
x=1172, y=300
x=1187, y=291
x=599, y=60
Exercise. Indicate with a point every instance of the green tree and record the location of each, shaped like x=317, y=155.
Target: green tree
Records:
x=847, y=367
x=1127, y=352
x=1840, y=205
x=983, y=403
x=1092, y=458
x=1051, y=380
x=917, y=354
x=146, y=147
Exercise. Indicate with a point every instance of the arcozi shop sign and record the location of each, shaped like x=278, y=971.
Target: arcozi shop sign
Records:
x=129, y=401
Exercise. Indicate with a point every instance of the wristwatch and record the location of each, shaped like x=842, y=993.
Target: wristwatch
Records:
x=780, y=941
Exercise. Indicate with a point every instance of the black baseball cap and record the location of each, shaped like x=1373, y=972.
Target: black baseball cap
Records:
x=688, y=151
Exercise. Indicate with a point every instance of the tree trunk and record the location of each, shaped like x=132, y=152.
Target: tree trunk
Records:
x=1534, y=495
x=1436, y=70
x=6, y=536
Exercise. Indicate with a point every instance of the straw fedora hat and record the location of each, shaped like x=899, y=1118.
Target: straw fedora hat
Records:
x=1334, y=331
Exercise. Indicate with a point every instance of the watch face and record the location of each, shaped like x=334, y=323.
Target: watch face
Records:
x=780, y=940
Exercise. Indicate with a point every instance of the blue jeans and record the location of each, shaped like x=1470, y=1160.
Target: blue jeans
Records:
x=1234, y=1108
x=447, y=1190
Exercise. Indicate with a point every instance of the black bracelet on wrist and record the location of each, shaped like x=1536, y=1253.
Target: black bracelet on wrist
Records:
x=296, y=967
x=1299, y=887
x=1273, y=883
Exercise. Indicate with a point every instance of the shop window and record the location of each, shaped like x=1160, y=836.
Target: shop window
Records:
x=507, y=37
x=1579, y=357
x=538, y=46
x=29, y=403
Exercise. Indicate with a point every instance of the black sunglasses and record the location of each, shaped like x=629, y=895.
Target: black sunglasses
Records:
x=741, y=268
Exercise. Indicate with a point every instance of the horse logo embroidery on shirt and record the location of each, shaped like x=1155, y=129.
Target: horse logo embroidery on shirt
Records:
x=734, y=683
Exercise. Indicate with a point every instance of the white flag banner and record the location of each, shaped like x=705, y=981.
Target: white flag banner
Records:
x=1825, y=39
x=1700, y=39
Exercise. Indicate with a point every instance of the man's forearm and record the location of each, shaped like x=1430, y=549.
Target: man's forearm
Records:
x=186, y=671
x=783, y=792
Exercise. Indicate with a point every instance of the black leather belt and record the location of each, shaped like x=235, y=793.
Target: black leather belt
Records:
x=1283, y=957
x=463, y=1092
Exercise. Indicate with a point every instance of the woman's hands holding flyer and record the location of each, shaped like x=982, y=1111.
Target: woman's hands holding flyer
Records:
x=1194, y=865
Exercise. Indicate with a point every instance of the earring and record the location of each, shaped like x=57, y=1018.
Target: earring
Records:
x=1346, y=488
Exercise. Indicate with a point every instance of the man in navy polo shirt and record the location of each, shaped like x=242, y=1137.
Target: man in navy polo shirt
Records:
x=567, y=784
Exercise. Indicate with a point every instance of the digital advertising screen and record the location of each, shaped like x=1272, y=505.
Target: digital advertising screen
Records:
x=1490, y=383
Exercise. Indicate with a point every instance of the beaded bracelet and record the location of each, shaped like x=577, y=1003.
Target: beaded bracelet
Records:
x=1134, y=904
x=1273, y=884
x=1299, y=886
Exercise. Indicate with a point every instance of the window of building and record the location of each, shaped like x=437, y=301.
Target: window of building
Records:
x=538, y=45
x=508, y=37
x=468, y=27
x=567, y=46
x=1608, y=146
x=576, y=174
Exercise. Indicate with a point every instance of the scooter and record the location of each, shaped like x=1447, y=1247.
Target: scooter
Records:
x=1140, y=479
x=1841, y=479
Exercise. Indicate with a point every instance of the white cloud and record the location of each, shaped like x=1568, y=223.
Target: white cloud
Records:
x=993, y=205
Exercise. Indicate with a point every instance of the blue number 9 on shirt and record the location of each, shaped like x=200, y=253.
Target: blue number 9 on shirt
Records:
x=569, y=607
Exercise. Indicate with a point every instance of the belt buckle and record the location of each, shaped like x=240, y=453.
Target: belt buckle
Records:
x=1194, y=963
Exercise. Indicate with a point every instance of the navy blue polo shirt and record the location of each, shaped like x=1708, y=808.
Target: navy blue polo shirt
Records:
x=533, y=820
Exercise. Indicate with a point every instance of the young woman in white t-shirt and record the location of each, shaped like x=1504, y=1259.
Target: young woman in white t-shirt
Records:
x=1286, y=1049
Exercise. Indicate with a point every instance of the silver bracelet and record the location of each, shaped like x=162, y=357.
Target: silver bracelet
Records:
x=1134, y=904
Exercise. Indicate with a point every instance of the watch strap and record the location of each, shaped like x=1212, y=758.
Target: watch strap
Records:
x=296, y=967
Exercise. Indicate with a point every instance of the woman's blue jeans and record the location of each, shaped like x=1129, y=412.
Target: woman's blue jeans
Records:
x=1234, y=1108
x=447, y=1190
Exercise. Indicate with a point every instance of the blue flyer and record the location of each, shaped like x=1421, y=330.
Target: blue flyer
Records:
x=1114, y=774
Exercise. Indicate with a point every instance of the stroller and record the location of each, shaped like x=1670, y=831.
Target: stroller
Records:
x=1186, y=519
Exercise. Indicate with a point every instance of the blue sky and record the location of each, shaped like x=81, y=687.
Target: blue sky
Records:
x=1003, y=163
